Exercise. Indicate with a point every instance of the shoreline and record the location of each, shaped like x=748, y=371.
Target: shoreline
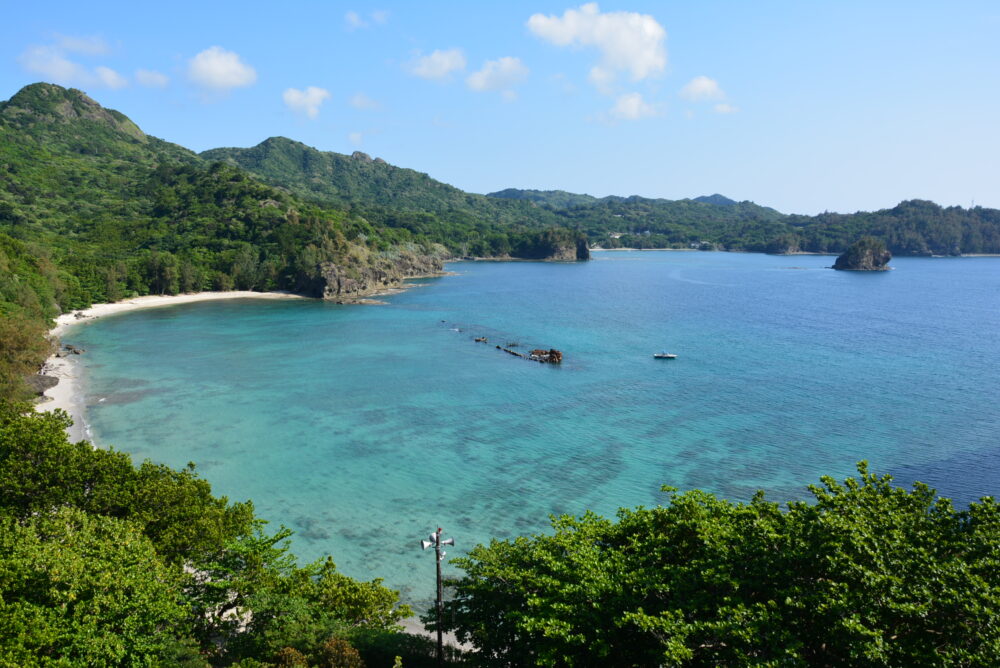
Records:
x=830, y=254
x=65, y=394
x=698, y=250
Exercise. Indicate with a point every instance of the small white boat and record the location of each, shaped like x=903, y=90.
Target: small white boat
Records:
x=665, y=356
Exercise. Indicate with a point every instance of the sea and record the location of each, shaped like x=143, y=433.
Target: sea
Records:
x=364, y=428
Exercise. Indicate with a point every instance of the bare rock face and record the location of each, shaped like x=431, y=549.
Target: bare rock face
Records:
x=363, y=157
x=566, y=253
x=348, y=281
x=865, y=254
x=569, y=251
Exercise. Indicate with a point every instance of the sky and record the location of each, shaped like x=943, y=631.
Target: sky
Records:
x=803, y=106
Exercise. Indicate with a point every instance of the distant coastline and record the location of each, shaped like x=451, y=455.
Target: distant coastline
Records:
x=66, y=394
x=686, y=250
x=698, y=250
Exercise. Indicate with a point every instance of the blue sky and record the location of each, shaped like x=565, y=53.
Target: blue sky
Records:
x=803, y=106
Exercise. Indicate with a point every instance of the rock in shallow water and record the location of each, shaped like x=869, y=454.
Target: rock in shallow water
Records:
x=865, y=254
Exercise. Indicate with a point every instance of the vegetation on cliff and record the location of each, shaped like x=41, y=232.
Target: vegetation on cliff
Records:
x=865, y=254
x=868, y=574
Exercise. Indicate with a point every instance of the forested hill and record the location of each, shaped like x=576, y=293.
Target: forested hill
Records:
x=396, y=197
x=913, y=227
x=343, y=179
x=374, y=187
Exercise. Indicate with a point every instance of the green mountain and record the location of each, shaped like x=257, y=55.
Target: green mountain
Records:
x=335, y=178
x=553, y=199
x=119, y=212
x=65, y=159
x=399, y=198
x=471, y=224
x=913, y=227
x=718, y=199
x=396, y=197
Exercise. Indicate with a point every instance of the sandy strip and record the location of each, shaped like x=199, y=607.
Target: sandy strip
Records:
x=66, y=395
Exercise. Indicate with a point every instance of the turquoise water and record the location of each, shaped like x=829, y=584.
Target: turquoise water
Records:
x=364, y=427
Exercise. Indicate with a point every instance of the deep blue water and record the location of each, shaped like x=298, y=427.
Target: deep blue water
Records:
x=364, y=427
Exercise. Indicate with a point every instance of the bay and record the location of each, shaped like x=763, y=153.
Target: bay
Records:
x=365, y=427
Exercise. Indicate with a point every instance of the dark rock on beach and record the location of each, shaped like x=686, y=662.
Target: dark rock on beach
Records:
x=39, y=383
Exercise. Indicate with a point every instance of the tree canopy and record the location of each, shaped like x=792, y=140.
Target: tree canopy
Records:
x=866, y=574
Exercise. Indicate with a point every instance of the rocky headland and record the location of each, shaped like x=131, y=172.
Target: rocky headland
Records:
x=363, y=275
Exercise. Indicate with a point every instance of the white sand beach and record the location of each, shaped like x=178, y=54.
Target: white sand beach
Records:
x=66, y=395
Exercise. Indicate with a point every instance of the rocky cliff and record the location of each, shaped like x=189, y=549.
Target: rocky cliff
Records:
x=865, y=254
x=569, y=252
x=356, y=278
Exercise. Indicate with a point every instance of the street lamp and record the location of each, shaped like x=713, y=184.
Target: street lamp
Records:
x=434, y=540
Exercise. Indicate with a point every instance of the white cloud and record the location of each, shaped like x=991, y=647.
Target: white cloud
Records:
x=502, y=75
x=702, y=88
x=632, y=107
x=438, y=64
x=362, y=101
x=220, y=70
x=356, y=138
x=354, y=21
x=108, y=77
x=724, y=108
x=306, y=101
x=151, y=78
x=52, y=63
x=628, y=41
x=90, y=46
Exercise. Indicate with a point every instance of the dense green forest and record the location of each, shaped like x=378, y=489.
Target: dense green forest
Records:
x=396, y=198
x=467, y=223
x=914, y=227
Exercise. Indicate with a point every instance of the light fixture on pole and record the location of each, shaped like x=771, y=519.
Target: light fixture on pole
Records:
x=434, y=540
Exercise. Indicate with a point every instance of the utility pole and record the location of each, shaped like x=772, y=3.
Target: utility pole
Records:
x=436, y=542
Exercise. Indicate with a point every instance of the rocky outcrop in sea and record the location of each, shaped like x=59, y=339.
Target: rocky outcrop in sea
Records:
x=865, y=254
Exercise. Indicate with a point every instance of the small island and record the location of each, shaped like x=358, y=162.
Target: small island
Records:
x=865, y=254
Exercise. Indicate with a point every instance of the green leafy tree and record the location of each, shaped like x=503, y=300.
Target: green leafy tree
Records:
x=76, y=589
x=868, y=574
x=41, y=470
